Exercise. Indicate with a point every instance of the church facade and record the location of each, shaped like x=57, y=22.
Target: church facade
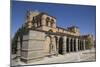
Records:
x=40, y=37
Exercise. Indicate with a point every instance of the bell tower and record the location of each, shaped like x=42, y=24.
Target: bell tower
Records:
x=41, y=21
x=31, y=18
x=49, y=22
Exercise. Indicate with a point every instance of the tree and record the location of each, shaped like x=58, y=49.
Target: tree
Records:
x=20, y=32
x=89, y=44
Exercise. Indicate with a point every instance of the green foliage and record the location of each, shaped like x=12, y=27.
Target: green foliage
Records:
x=89, y=44
x=21, y=31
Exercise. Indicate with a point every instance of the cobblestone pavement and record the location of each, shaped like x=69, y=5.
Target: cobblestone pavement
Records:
x=87, y=55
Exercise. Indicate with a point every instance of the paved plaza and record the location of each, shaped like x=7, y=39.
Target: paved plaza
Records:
x=87, y=55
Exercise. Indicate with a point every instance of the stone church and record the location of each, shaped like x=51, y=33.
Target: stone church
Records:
x=40, y=37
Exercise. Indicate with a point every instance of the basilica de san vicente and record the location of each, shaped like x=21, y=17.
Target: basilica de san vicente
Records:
x=40, y=37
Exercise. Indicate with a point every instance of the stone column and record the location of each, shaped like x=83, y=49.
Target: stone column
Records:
x=76, y=44
x=79, y=45
x=54, y=25
x=64, y=45
x=84, y=44
x=57, y=45
x=49, y=24
x=73, y=45
x=43, y=22
x=18, y=50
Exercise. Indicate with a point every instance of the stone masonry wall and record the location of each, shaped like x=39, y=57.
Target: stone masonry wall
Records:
x=32, y=46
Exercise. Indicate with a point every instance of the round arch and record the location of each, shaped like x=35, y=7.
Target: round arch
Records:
x=79, y=45
x=67, y=45
x=74, y=44
x=60, y=51
x=56, y=42
x=47, y=46
x=71, y=45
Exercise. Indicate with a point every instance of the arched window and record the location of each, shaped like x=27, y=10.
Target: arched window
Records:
x=33, y=20
x=52, y=22
x=47, y=21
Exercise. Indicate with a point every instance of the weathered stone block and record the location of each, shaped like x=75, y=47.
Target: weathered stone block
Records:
x=35, y=44
x=32, y=46
x=25, y=45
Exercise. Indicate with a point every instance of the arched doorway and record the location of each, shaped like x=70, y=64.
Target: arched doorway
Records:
x=56, y=42
x=47, y=45
x=67, y=45
x=71, y=45
x=74, y=45
x=80, y=45
x=60, y=51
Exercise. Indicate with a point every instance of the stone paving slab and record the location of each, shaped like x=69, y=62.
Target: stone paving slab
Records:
x=88, y=55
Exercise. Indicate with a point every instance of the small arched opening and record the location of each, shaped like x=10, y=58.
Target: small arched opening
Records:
x=67, y=45
x=71, y=45
x=60, y=51
x=47, y=21
x=47, y=46
x=74, y=45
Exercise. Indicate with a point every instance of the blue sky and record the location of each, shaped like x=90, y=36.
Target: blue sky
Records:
x=67, y=15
